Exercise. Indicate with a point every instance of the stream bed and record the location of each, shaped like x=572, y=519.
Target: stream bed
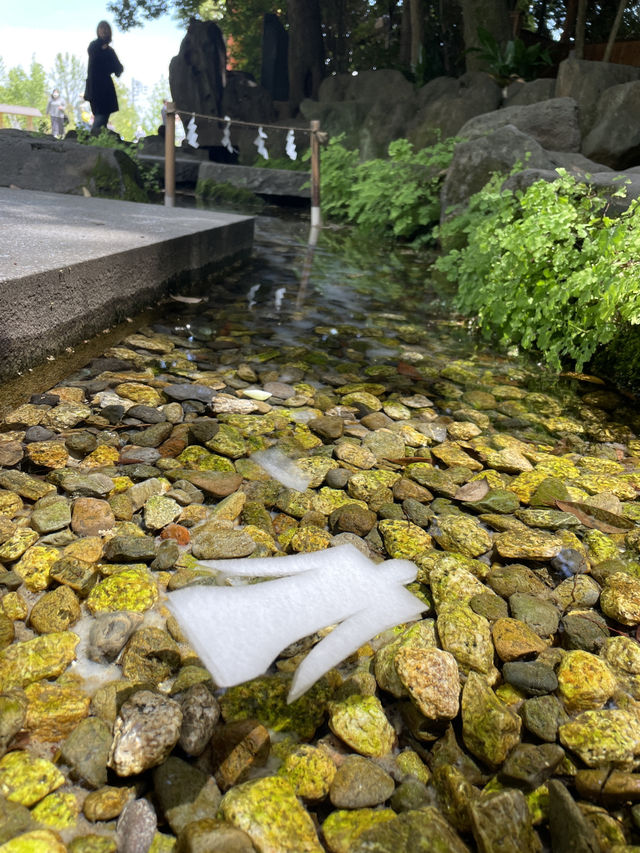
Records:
x=505, y=717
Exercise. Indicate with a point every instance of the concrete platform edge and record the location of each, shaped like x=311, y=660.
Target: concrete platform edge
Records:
x=49, y=310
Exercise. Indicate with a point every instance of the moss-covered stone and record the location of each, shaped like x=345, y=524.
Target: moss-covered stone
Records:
x=271, y=815
x=265, y=699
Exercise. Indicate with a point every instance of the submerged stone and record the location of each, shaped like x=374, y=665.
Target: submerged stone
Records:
x=271, y=815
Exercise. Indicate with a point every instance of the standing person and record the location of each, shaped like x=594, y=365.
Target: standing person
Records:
x=55, y=111
x=100, y=91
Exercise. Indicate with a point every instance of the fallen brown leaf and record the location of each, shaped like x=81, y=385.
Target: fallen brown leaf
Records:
x=406, y=369
x=473, y=491
x=593, y=516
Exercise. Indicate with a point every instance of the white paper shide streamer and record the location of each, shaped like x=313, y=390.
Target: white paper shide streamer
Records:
x=259, y=143
x=226, y=135
x=238, y=631
x=192, y=133
x=290, y=146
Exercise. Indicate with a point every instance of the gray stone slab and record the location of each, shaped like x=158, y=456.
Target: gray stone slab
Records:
x=71, y=266
x=272, y=182
x=186, y=167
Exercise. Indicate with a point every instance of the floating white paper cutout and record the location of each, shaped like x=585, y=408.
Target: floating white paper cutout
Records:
x=281, y=468
x=259, y=143
x=226, y=135
x=238, y=631
x=192, y=133
x=290, y=146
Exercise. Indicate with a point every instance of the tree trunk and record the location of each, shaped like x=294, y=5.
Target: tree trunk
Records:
x=405, y=35
x=417, y=31
x=306, y=54
x=569, y=21
x=614, y=31
x=491, y=15
x=581, y=21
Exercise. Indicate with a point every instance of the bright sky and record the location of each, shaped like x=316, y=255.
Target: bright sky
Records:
x=48, y=27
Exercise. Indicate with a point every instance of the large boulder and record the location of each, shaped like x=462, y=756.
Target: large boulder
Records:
x=521, y=93
x=445, y=105
x=338, y=118
x=40, y=162
x=246, y=100
x=584, y=81
x=554, y=123
x=197, y=77
x=614, y=138
x=385, y=121
x=476, y=160
x=607, y=184
x=384, y=84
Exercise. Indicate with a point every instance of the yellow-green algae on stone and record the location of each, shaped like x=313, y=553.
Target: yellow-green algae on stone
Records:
x=599, y=738
x=403, y=539
x=490, y=728
x=43, y=657
x=528, y=545
x=620, y=598
x=525, y=484
x=622, y=655
x=462, y=534
x=17, y=544
x=451, y=583
x=35, y=565
x=27, y=779
x=420, y=635
x=270, y=813
x=325, y=500
x=363, y=485
x=467, y=635
x=585, y=682
x=54, y=710
x=361, y=723
x=342, y=828
x=36, y=841
x=600, y=546
x=139, y=393
x=58, y=810
x=131, y=589
x=265, y=699
x=309, y=769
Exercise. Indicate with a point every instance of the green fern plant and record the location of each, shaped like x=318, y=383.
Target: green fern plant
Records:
x=546, y=269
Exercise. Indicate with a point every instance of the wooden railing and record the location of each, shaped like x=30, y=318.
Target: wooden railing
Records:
x=12, y=109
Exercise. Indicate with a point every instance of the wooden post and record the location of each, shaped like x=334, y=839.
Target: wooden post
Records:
x=316, y=219
x=170, y=156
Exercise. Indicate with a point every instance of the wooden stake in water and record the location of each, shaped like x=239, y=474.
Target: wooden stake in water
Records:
x=170, y=156
x=316, y=219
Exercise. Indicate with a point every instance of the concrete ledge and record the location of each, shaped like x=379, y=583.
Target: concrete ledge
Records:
x=71, y=266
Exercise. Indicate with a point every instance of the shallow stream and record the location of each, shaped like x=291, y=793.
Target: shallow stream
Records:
x=491, y=723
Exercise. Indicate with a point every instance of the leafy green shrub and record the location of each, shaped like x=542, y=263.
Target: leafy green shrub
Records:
x=398, y=197
x=514, y=59
x=546, y=269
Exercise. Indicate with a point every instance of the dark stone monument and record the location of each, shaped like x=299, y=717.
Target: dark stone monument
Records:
x=197, y=78
x=274, y=74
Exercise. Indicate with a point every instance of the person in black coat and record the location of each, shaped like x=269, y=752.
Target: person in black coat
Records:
x=99, y=90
